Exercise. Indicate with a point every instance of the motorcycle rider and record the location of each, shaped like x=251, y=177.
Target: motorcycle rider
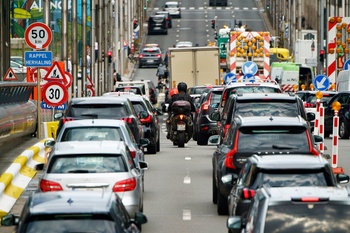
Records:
x=160, y=73
x=182, y=95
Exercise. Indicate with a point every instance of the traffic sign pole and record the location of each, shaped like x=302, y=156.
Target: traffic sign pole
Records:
x=38, y=104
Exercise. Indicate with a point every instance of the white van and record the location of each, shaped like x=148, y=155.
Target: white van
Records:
x=343, y=81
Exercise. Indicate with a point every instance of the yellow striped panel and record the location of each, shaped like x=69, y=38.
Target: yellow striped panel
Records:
x=28, y=171
x=38, y=158
x=21, y=160
x=35, y=149
x=6, y=178
x=2, y=213
x=13, y=191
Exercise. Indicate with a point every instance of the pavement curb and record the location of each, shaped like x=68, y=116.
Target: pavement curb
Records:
x=17, y=177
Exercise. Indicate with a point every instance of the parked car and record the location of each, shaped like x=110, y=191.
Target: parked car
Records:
x=157, y=24
x=204, y=125
x=344, y=118
x=150, y=57
x=167, y=17
x=109, y=163
x=74, y=211
x=296, y=209
x=256, y=135
x=173, y=8
x=102, y=107
x=278, y=171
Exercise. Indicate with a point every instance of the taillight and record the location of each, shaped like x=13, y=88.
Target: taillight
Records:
x=147, y=119
x=205, y=106
x=248, y=193
x=49, y=186
x=227, y=126
x=312, y=149
x=125, y=185
x=159, y=55
x=64, y=120
x=128, y=120
x=133, y=153
x=310, y=199
x=181, y=117
x=230, y=156
x=141, y=56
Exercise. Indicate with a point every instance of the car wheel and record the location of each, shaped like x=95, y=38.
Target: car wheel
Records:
x=140, y=66
x=152, y=148
x=215, y=190
x=194, y=136
x=221, y=204
x=202, y=139
x=158, y=144
x=343, y=131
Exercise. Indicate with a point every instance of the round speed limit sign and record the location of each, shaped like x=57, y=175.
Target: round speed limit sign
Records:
x=55, y=94
x=38, y=35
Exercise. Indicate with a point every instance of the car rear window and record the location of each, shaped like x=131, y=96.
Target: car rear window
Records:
x=273, y=138
x=108, y=111
x=267, y=108
x=88, y=163
x=92, y=134
x=134, y=90
x=297, y=217
x=139, y=107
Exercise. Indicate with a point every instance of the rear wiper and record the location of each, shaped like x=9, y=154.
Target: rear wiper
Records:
x=78, y=171
x=284, y=147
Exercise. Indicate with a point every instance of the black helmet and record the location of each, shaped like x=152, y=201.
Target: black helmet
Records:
x=182, y=87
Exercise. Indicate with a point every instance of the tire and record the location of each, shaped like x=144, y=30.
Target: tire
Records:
x=194, y=136
x=343, y=131
x=152, y=148
x=181, y=139
x=202, y=140
x=222, y=207
x=215, y=190
x=158, y=145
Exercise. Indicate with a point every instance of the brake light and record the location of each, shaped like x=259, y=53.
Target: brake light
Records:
x=205, y=106
x=125, y=185
x=310, y=199
x=181, y=116
x=248, y=193
x=147, y=119
x=133, y=153
x=141, y=56
x=64, y=120
x=312, y=149
x=50, y=186
x=230, y=156
x=128, y=120
x=159, y=55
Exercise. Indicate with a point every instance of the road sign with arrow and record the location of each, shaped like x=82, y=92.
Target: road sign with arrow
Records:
x=321, y=82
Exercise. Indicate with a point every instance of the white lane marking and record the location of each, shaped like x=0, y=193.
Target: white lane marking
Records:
x=186, y=215
x=187, y=180
x=188, y=158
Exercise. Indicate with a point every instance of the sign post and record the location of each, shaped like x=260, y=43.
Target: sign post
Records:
x=38, y=36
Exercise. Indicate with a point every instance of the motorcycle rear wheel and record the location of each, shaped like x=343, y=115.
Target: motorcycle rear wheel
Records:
x=181, y=139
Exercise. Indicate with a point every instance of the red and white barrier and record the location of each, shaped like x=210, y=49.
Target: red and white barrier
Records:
x=336, y=169
x=321, y=125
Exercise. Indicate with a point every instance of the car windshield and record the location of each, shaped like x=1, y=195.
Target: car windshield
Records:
x=312, y=99
x=308, y=218
x=273, y=138
x=108, y=111
x=88, y=163
x=267, y=108
x=92, y=134
x=70, y=223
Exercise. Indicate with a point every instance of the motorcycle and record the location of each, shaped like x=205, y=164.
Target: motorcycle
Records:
x=180, y=123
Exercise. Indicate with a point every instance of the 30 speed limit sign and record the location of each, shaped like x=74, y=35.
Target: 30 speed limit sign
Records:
x=55, y=94
x=38, y=35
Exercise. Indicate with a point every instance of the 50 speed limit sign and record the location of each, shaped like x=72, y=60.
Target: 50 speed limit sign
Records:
x=38, y=35
x=55, y=94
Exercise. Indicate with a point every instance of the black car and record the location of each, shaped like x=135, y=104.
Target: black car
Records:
x=74, y=211
x=150, y=57
x=102, y=107
x=150, y=122
x=259, y=104
x=204, y=125
x=344, y=115
x=157, y=24
x=256, y=135
x=296, y=209
x=167, y=17
x=279, y=171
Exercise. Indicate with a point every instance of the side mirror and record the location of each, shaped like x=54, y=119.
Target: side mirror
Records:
x=342, y=178
x=143, y=114
x=230, y=179
x=215, y=116
x=39, y=167
x=318, y=138
x=214, y=140
x=234, y=223
x=58, y=115
x=140, y=218
x=144, y=142
x=143, y=165
x=159, y=111
x=10, y=220
x=310, y=116
x=49, y=143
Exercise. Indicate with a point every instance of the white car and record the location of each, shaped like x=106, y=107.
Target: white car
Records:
x=184, y=44
x=173, y=8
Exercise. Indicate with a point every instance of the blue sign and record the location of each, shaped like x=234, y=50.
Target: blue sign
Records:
x=44, y=105
x=321, y=82
x=249, y=78
x=230, y=78
x=250, y=67
x=38, y=58
x=346, y=65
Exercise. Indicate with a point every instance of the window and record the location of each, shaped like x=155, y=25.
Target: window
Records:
x=91, y=134
x=109, y=111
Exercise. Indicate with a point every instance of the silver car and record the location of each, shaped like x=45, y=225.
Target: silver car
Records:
x=74, y=165
x=173, y=7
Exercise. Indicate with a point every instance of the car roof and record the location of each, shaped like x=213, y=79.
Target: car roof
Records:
x=270, y=121
x=172, y=2
x=150, y=49
x=279, y=96
x=71, y=202
x=98, y=99
x=295, y=161
x=314, y=92
x=89, y=147
x=94, y=122
x=255, y=83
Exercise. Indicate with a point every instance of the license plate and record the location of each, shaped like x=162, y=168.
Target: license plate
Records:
x=84, y=189
x=150, y=60
x=181, y=127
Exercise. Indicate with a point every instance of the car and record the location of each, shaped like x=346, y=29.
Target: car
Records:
x=157, y=24
x=167, y=17
x=130, y=89
x=17, y=67
x=296, y=209
x=198, y=100
x=256, y=135
x=204, y=126
x=198, y=90
x=343, y=98
x=109, y=163
x=74, y=211
x=173, y=8
x=151, y=45
x=259, y=104
x=150, y=123
x=147, y=87
x=184, y=44
x=278, y=171
x=100, y=130
x=150, y=57
x=102, y=107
